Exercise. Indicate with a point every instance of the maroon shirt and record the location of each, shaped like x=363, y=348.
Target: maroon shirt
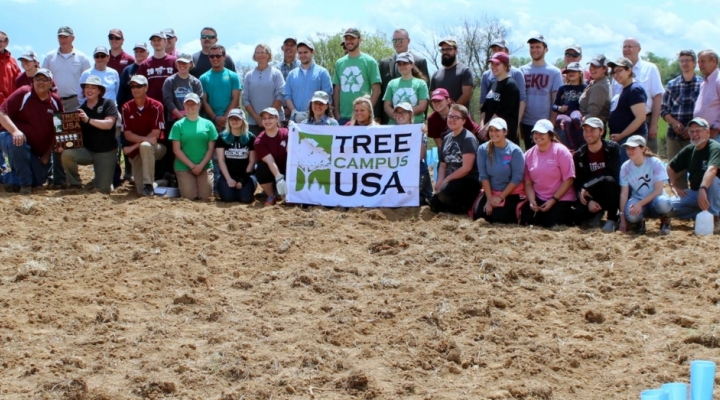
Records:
x=275, y=146
x=437, y=126
x=157, y=70
x=34, y=117
x=596, y=162
x=118, y=63
x=142, y=122
x=23, y=80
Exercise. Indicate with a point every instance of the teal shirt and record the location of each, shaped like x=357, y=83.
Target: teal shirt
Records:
x=194, y=138
x=411, y=91
x=218, y=86
x=354, y=77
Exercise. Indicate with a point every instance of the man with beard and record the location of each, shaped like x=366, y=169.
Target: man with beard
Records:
x=455, y=77
x=701, y=158
x=542, y=82
x=304, y=81
x=708, y=101
x=201, y=59
x=647, y=75
x=356, y=75
x=597, y=170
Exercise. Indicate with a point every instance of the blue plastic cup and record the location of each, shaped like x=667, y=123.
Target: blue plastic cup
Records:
x=702, y=380
x=435, y=153
x=654, y=394
x=428, y=157
x=676, y=390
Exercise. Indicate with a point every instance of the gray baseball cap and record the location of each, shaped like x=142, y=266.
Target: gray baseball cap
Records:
x=599, y=60
x=635, y=141
x=28, y=56
x=185, y=58
x=404, y=106
x=169, y=33
x=700, y=122
x=621, y=62
x=321, y=97
x=141, y=45
x=101, y=50
x=65, y=31
x=95, y=81
x=573, y=66
x=160, y=34
x=405, y=57
x=272, y=111
x=537, y=38
x=43, y=71
x=499, y=43
x=594, y=122
x=139, y=79
x=238, y=113
x=192, y=97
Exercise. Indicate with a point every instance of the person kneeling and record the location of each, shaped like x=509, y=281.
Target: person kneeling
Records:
x=457, y=182
x=701, y=158
x=642, y=178
x=501, y=165
x=236, y=158
x=271, y=151
x=597, y=165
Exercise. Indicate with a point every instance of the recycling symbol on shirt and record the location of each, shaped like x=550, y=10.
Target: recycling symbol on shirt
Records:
x=351, y=80
x=405, y=95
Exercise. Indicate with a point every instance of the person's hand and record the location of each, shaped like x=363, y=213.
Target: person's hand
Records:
x=231, y=183
x=623, y=225
x=616, y=137
x=83, y=117
x=562, y=109
x=678, y=127
x=220, y=120
x=594, y=207
x=547, y=205
x=703, y=200
x=281, y=185
x=238, y=185
x=652, y=131
x=678, y=192
x=583, y=194
x=483, y=133
x=635, y=209
x=152, y=140
x=196, y=170
x=45, y=159
x=18, y=138
x=495, y=201
x=488, y=208
x=534, y=206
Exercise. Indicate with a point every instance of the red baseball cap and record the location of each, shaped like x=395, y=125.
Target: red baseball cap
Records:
x=500, y=58
x=440, y=94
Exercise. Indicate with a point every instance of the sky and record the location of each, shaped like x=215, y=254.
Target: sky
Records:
x=663, y=28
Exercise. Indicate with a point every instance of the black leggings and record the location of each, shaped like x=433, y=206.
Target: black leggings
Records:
x=456, y=197
x=505, y=214
x=559, y=214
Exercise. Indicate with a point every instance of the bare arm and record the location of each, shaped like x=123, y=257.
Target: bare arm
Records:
x=375, y=95
x=465, y=96
x=336, y=101
x=652, y=129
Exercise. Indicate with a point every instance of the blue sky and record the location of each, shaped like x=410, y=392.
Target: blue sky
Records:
x=662, y=27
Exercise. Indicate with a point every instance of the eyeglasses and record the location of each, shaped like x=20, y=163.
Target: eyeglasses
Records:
x=136, y=86
x=211, y=37
x=43, y=80
x=454, y=117
x=215, y=55
x=572, y=55
x=113, y=37
x=398, y=40
x=446, y=49
x=100, y=55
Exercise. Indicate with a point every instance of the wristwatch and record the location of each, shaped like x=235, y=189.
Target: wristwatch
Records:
x=703, y=187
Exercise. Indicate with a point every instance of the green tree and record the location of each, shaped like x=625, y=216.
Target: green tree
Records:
x=669, y=68
x=328, y=49
x=520, y=61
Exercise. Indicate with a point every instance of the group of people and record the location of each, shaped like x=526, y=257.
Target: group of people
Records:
x=589, y=133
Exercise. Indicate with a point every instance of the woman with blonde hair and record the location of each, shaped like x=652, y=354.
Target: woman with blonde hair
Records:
x=263, y=87
x=236, y=159
x=362, y=112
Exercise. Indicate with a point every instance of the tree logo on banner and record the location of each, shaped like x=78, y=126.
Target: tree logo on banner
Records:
x=314, y=161
x=351, y=80
x=405, y=95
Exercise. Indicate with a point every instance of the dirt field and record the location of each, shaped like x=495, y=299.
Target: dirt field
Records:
x=115, y=297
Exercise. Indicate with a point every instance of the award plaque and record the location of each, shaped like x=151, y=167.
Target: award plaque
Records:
x=68, y=133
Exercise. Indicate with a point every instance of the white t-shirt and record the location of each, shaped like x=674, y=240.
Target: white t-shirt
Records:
x=641, y=179
x=648, y=76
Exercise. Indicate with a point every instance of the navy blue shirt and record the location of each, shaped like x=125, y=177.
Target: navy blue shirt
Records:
x=569, y=95
x=621, y=115
x=124, y=94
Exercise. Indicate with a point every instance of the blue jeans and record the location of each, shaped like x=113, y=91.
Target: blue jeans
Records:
x=572, y=134
x=659, y=207
x=26, y=168
x=426, y=190
x=244, y=195
x=687, y=207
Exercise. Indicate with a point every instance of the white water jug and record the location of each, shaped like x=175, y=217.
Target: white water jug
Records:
x=704, y=224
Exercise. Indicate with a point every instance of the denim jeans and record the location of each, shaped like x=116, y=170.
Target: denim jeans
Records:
x=244, y=195
x=26, y=168
x=572, y=133
x=426, y=190
x=687, y=207
x=659, y=207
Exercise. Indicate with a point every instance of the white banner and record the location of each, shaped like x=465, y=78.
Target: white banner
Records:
x=358, y=166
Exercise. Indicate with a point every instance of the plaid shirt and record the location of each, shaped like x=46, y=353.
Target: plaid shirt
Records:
x=286, y=68
x=679, y=101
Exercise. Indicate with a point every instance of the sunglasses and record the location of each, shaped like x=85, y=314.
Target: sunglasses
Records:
x=572, y=55
x=113, y=37
x=136, y=86
x=215, y=55
x=211, y=37
x=100, y=55
x=398, y=40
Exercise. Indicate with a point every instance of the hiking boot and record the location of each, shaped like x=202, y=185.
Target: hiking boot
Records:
x=148, y=191
x=640, y=228
x=26, y=190
x=609, y=226
x=595, y=221
x=11, y=188
x=665, y=225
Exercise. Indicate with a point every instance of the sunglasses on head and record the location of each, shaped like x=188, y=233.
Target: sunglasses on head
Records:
x=113, y=37
x=207, y=37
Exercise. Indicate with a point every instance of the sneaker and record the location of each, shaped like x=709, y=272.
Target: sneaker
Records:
x=26, y=190
x=609, y=226
x=11, y=188
x=270, y=201
x=640, y=228
x=148, y=191
x=594, y=222
x=665, y=225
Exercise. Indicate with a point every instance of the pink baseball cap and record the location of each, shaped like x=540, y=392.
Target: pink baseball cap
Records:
x=440, y=94
x=500, y=58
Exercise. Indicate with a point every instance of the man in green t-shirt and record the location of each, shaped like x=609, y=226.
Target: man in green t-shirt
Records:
x=356, y=74
x=701, y=158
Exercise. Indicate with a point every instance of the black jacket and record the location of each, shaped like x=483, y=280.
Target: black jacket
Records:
x=582, y=164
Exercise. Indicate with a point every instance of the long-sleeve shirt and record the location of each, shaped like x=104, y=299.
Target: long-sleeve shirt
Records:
x=124, y=94
x=595, y=100
x=679, y=101
x=301, y=84
x=9, y=70
x=708, y=102
x=175, y=89
x=261, y=89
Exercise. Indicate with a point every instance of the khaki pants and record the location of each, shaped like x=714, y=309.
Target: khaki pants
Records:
x=103, y=165
x=673, y=147
x=195, y=186
x=144, y=164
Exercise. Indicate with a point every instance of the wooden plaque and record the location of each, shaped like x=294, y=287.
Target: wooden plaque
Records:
x=68, y=133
